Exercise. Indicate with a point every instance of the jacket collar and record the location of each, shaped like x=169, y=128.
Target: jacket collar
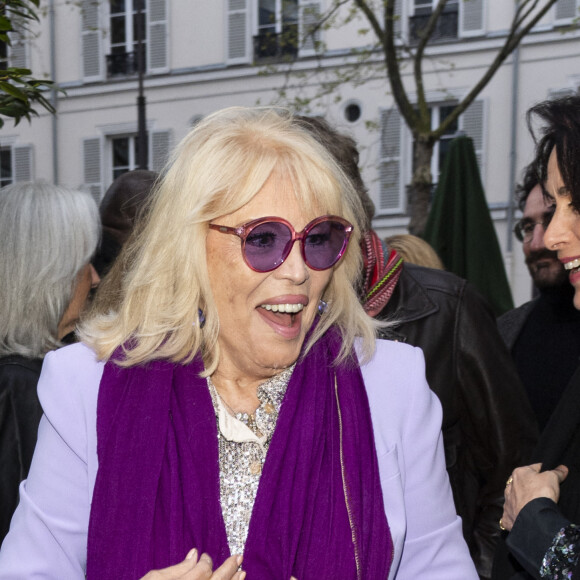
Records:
x=408, y=303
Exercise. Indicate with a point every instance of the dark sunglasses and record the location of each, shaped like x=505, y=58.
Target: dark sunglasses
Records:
x=267, y=241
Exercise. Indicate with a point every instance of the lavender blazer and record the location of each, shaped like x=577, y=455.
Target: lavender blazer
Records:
x=48, y=534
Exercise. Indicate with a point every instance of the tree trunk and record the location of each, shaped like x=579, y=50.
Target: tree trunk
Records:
x=419, y=191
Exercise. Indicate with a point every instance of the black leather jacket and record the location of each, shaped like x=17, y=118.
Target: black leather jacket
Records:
x=20, y=413
x=488, y=426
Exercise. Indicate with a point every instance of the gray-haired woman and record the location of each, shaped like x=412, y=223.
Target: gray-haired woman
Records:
x=48, y=234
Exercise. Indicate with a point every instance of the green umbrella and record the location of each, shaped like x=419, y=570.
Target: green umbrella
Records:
x=460, y=228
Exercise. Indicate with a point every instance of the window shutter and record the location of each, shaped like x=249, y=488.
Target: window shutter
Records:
x=18, y=50
x=471, y=17
x=238, y=37
x=398, y=25
x=22, y=163
x=160, y=147
x=91, y=41
x=157, y=38
x=390, y=200
x=566, y=9
x=473, y=125
x=92, y=167
x=309, y=17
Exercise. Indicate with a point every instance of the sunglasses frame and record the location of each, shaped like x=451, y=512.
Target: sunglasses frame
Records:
x=246, y=229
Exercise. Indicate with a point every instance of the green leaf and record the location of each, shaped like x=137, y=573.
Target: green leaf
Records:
x=12, y=90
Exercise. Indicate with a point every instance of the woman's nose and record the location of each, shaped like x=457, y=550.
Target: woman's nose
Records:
x=294, y=267
x=555, y=233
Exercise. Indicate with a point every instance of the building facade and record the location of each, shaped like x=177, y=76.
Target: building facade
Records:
x=202, y=55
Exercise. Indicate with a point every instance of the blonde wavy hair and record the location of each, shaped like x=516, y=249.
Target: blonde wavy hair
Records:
x=161, y=278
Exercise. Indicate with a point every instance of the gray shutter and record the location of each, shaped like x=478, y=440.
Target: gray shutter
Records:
x=18, y=50
x=309, y=17
x=238, y=32
x=471, y=17
x=160, y=148
x=566, y=9
x=473, y=125
x=91, y=41
x=390, y=200
x=92, y=167
x=157, y=39
x=22, y=163
x=398, y=26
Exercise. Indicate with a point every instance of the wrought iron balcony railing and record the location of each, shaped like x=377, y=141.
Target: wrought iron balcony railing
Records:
x=446, y=28
x=122, y=64
x=272, y=46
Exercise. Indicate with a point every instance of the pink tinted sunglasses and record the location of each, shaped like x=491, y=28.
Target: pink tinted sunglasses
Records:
x=267, y=241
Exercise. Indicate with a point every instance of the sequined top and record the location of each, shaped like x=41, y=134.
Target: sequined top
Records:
x=243, y=443
x=563, y=555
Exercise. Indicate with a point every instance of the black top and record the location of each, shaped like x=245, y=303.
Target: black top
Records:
x=547, y=350
x=20, y=414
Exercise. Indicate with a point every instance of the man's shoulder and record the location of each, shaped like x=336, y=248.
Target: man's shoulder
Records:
x=435, y=280
x=510, y=323
x=515, y=315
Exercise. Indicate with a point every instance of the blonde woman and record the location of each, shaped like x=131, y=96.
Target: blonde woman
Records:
x=232, y=408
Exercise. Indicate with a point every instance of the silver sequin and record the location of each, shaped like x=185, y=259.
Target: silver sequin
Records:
x=241, y=462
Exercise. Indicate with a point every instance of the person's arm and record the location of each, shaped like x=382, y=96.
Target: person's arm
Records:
x=497, y=420
x=541, y=538
x=48, y=534
x=544, y=542
x=407, y=422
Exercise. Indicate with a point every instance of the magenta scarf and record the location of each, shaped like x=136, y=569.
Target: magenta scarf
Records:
x=157, y=492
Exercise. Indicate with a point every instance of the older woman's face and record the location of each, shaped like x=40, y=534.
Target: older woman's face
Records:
x=255, y=341
x=563, y=233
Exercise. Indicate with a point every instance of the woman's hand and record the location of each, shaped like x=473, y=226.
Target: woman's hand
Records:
x=193, y=569
x=527, y=483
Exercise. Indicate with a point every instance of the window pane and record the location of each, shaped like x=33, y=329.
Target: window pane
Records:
x=118, y=30
x=267, y=13
x=117, y=6
x=139, y=5
x=5, y=166
x=289, y=12
x=121, y=152
x=444, y=112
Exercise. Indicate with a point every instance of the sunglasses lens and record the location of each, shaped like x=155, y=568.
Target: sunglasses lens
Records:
x=266, y=244
x=324, y=244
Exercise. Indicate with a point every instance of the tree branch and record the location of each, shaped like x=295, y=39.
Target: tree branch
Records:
x=512, y=41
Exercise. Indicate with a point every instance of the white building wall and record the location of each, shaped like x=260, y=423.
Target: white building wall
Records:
x=199, y=81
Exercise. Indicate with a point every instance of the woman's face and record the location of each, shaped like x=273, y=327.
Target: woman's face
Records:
x=256, y=342
x=563, y=233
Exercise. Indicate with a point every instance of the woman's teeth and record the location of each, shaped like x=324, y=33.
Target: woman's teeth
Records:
x=284, y=308
x=572, y=265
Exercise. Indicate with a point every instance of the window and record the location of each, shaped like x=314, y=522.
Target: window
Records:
x=15, y=164
x=438, y=115
x=396, y=140
x=124, y=154
x=127, y=26
x=105, y=158
x=459, y=19
x=271, y=30
x=277, y=29
x=110, y=37
x=447, y=24
x=566, y=11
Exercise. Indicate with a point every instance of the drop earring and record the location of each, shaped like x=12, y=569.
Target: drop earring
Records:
x=201, y=317
x=322, y=307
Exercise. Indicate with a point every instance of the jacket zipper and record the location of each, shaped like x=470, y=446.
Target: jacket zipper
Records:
x=345, y=488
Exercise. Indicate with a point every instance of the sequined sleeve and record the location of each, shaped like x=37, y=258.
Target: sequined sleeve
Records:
x=562, y=556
